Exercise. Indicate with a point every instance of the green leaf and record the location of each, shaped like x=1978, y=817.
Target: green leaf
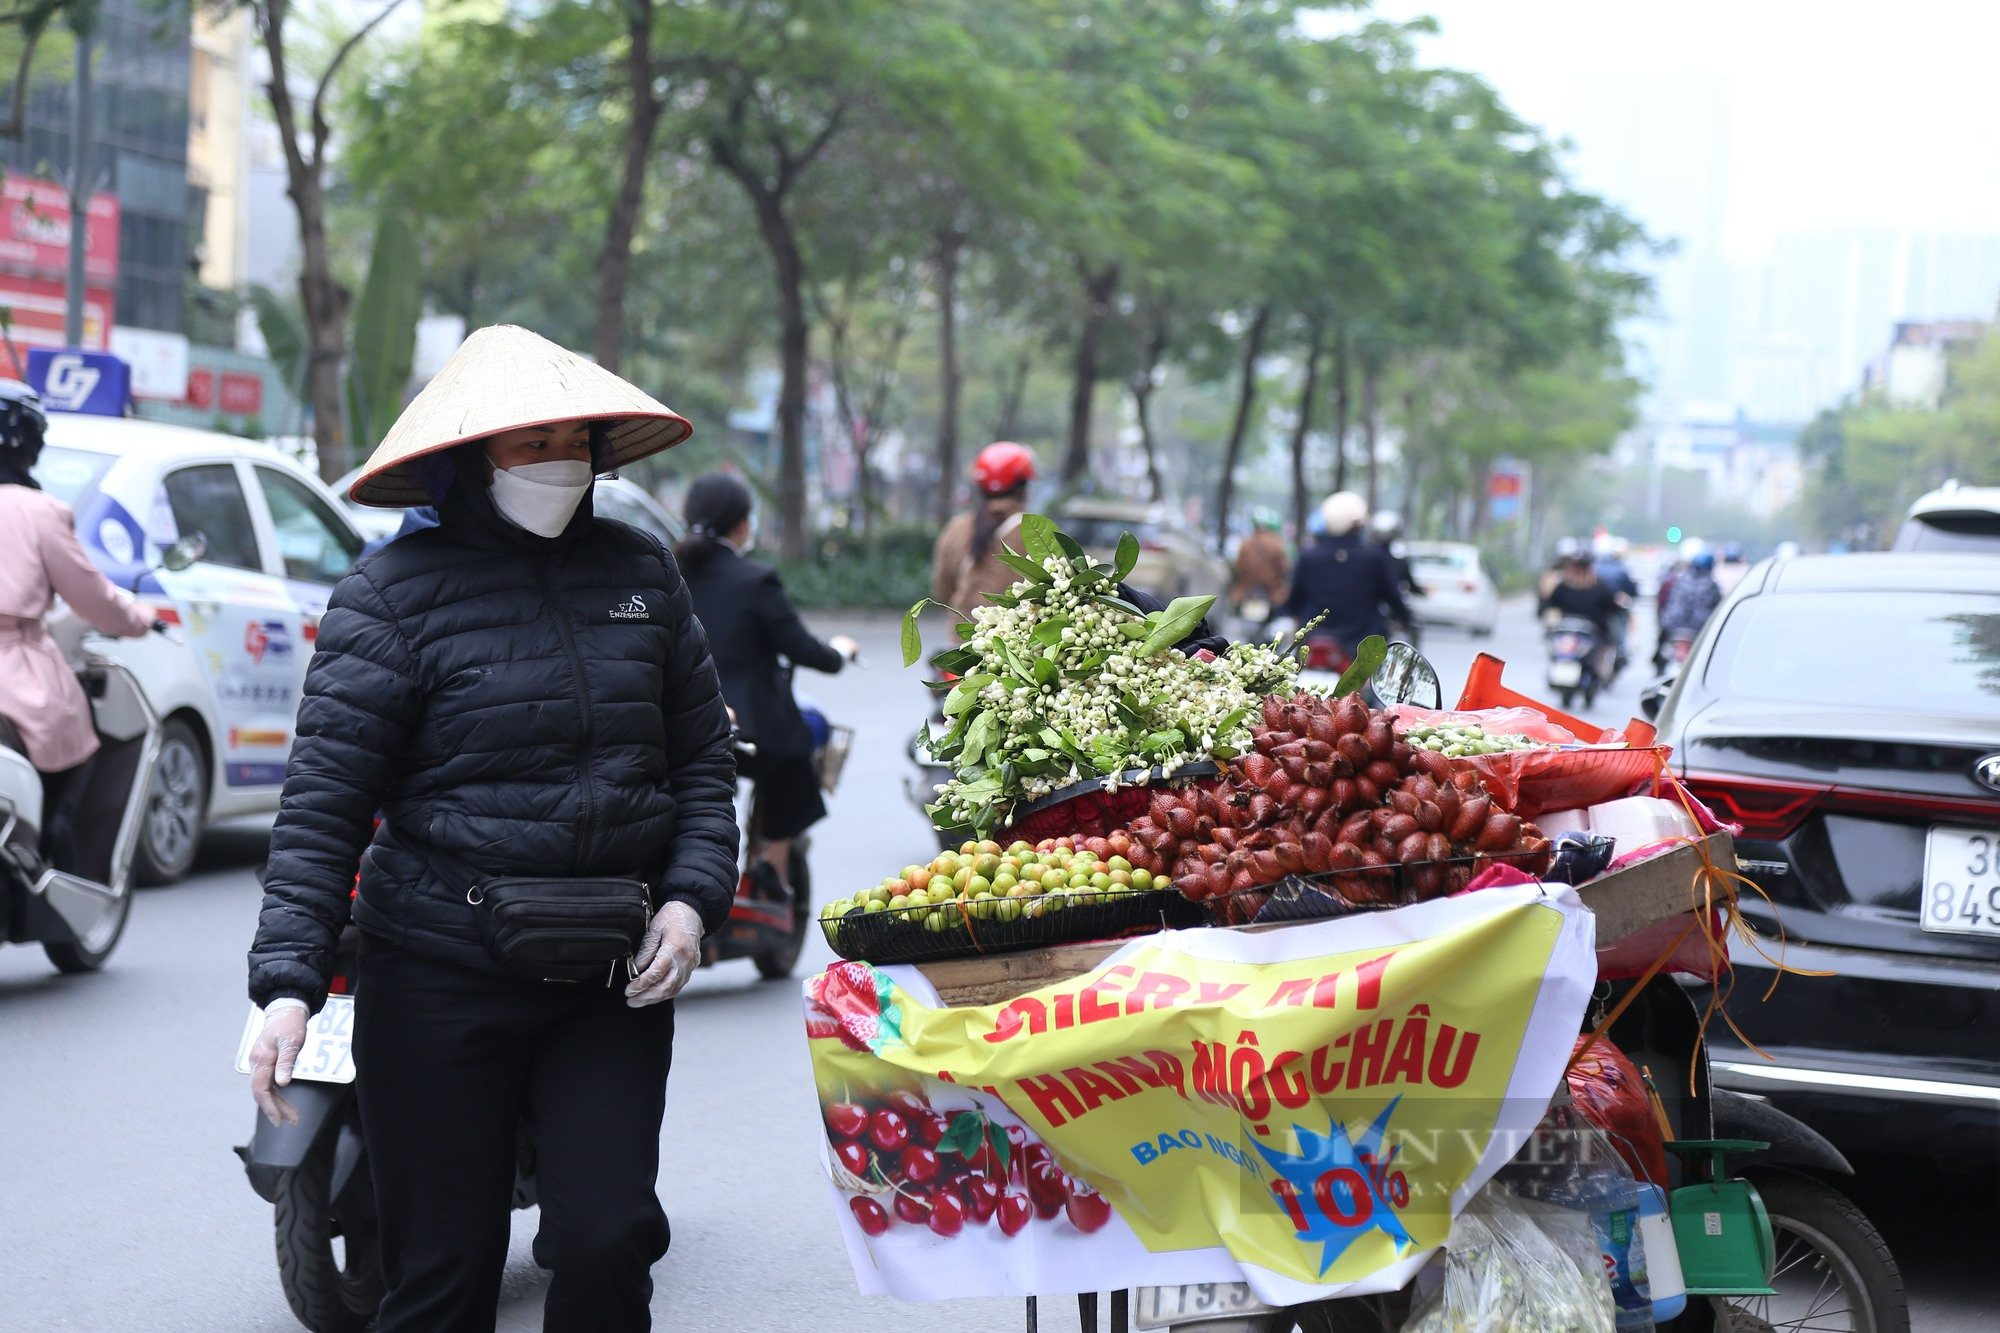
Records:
x=1128, y=558
x=1045, y=671
x=956, y=661
x=966, y=1135
x=1049, y=632
x=1023, y=566
x=1038, y=537
x=1068, y=546
x=913, y=638
x=1367, y=661
x=965, y=695
x=1175, y=624
x=1115, y=603
x=383, y=331
x=981, y=735
x=1003, y=599
x=997, y=1136
x=965, y=629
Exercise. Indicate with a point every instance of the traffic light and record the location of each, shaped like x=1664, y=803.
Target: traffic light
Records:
x=1673, y=535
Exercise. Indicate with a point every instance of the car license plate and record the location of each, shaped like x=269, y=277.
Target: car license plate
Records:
x=1962, y=881
x=1161, y=1306
x=1565, y=673
x=327, y=1056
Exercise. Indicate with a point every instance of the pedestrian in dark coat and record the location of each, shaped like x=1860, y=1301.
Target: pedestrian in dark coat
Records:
x=757, y=639
x=522, y=690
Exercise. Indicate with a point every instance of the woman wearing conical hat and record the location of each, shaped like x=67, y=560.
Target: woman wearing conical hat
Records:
x=525, y=696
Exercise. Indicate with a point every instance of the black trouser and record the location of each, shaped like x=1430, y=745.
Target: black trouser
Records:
x=449, y=1061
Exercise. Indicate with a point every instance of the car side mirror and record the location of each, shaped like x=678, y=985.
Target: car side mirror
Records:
x=1654, y=697
x=1407, y=677
x=184, y=552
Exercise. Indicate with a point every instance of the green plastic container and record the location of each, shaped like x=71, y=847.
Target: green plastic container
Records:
x=1721, y=1228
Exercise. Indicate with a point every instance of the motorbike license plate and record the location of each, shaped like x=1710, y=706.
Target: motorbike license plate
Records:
x=1565, y=673
x=1962, y=881
x=1161, y=1306
x=327, y=1056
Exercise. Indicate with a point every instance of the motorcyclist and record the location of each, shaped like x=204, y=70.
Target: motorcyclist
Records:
x=756, y=639
x=1385, y=529
x=1567, y=549
x=1613, y=574
x=1730, y=571
x=1693, y=600
x=1345, y=578
x=1582, y=596
x=1263, y=570
x=963, y=569
x=43, y=712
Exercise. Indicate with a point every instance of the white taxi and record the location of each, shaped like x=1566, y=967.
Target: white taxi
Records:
x=275, y=542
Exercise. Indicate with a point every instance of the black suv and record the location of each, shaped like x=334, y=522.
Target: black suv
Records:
x=1845, y=710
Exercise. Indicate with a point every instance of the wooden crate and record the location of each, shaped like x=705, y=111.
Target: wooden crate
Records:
x=1627, y=902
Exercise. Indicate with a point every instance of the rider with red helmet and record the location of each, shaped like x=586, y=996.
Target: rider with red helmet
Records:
x=963, y=570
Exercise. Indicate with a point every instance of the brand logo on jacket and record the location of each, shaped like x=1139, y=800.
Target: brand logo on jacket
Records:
x=632, y=608
x=1987, y=770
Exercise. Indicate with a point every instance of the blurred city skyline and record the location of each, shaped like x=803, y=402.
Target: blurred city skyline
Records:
x=1823, y=170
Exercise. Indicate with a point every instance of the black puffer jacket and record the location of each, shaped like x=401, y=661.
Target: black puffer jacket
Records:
x=531, y=706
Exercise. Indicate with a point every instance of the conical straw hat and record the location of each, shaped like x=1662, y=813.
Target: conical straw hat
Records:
x=504, y=377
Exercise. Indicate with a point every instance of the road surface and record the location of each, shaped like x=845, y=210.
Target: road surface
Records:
x=122, y=1207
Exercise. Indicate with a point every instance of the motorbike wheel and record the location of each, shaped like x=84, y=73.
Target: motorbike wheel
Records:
x=1833, y=1270
x=1566, y=696
x=777, y=964
x=331, y=1291
x=76, y=956
x=176, y=808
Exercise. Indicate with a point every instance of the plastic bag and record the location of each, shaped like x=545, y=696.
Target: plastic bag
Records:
x=1608, y=1091
x=1528, y=782
x=1504, y=1273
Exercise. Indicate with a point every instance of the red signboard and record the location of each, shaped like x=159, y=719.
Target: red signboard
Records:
x=34, y=310
x=240, y=393
x=34, y=231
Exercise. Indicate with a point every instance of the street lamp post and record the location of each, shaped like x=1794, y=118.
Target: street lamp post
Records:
x=79, y=185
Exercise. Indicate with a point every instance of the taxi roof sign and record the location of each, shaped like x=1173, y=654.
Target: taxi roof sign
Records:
x=73, y=379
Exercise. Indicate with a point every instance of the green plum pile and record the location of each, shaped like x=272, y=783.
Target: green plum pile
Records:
x=1328, y=790
x=984, y=881
x=1457, y=741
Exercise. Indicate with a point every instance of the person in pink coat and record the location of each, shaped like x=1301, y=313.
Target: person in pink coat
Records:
x=42, y=708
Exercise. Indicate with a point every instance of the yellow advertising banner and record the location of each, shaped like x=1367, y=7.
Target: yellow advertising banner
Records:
x=1302, y=1108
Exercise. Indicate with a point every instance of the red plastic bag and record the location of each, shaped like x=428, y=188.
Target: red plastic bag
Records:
x=1608, y=1090
x=1529, y=782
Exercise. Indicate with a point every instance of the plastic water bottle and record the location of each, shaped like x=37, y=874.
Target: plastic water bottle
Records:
x=1602, y=1186
x=1663, y=1258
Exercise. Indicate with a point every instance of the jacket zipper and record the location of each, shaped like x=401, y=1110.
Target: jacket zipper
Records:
x=582, y=709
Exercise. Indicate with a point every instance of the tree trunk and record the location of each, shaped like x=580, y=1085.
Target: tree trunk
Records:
x=614, y=261
x=788, y=266
x=325, y=301
x=1142, y=386
x=949, y=243
x=1097, y=290
x=1413, y=467
x=1246, y=398
x=1308, y=394
x=1371, y=403
x=1011, y=393
x=1343, y=403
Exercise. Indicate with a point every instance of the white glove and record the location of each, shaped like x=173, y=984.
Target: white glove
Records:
x=272, y=1058
x=667, y=956
x=845, y=646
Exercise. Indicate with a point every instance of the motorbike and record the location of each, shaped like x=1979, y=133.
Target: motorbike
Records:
x=75, y=904
x=1573, y=652
x=315, y=1172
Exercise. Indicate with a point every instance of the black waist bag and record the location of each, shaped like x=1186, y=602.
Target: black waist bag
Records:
x=562, y=929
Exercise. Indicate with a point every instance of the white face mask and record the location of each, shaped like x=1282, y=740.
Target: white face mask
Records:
x=540, y=497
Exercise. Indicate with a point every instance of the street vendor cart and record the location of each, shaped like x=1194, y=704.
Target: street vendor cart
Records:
x=1326, y=1033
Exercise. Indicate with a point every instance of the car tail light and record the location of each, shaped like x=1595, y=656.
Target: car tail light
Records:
x=1468, y=585
x=1567, y=644
x=1768, y=810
